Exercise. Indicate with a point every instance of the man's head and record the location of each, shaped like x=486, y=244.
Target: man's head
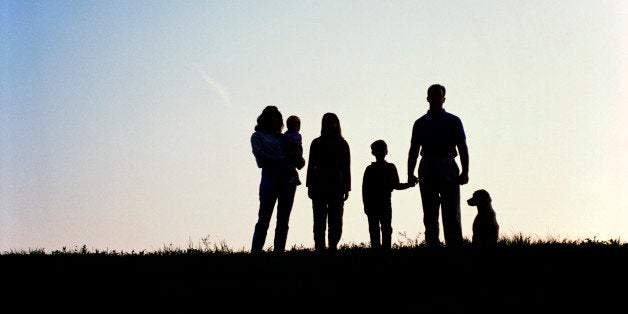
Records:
x=293, y=123
x=436, y=96
x=379, y=149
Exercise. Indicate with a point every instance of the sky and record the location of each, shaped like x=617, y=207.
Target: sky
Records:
x=125, y=125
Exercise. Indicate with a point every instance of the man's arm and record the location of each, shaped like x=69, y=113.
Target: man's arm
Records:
x=463, y=150
x=413, y=155
x=347, y=170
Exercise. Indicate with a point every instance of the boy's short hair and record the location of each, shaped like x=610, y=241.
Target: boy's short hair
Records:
x=379, y=145
x=434, y=87
x=293, y=123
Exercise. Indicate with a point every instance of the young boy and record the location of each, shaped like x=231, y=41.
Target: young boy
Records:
x=292, y=145
x=380, y=179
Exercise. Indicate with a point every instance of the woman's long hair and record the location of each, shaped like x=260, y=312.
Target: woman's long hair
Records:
x=266, y=120
x=330, y=125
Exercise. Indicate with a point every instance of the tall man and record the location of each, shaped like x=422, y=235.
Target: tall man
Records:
x=439, y=137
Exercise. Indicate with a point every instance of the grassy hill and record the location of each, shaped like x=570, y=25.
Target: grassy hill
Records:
x=514, y=277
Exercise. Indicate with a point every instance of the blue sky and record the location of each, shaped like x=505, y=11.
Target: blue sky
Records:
x=126, y=125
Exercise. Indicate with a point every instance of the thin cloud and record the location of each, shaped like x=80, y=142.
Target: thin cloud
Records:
x=222, y=91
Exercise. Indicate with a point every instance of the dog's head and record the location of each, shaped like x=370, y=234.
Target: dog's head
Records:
x=480, y=198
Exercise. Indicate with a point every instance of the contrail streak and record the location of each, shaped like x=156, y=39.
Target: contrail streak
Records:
x=222, y=91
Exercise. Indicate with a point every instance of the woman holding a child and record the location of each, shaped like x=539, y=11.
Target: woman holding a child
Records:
x=276, y=185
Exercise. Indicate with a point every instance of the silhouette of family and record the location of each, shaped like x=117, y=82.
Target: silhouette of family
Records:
x=437, y=136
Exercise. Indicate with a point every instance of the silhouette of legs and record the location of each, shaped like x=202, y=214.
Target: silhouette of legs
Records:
x=380, y=225
x=431, y=203
x=327, y=213
x=284, y=207
x=374, y=231
x=450, y=204
x=438, y=183
x=273, y=189
x=386, y=222
x=452, y=227
x=268, y=194
x=336, y=209
x=319, y=208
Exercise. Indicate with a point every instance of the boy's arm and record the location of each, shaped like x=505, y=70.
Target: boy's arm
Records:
x=403, y=186
x=399, y=185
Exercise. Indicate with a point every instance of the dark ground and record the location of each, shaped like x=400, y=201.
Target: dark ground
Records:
x=419, y=280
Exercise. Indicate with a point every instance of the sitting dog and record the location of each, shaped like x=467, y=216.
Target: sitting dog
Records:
x=485, y=227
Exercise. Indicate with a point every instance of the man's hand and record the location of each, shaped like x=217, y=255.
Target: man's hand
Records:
x=412, y=179
x=463, y=178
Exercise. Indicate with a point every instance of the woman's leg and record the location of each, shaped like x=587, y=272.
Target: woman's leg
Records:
x=268, y=193
x=284, y=208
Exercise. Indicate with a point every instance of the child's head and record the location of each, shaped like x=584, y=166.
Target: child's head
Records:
x=379, y=149
x=293, y=123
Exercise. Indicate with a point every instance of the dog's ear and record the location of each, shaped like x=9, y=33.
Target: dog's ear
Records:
x=480, y=197
x=483, y=194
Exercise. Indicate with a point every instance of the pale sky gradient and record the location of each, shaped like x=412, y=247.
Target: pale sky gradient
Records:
x=125, y=125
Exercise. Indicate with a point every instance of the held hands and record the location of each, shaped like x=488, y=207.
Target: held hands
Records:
x=412, y=180
x=403, y=186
